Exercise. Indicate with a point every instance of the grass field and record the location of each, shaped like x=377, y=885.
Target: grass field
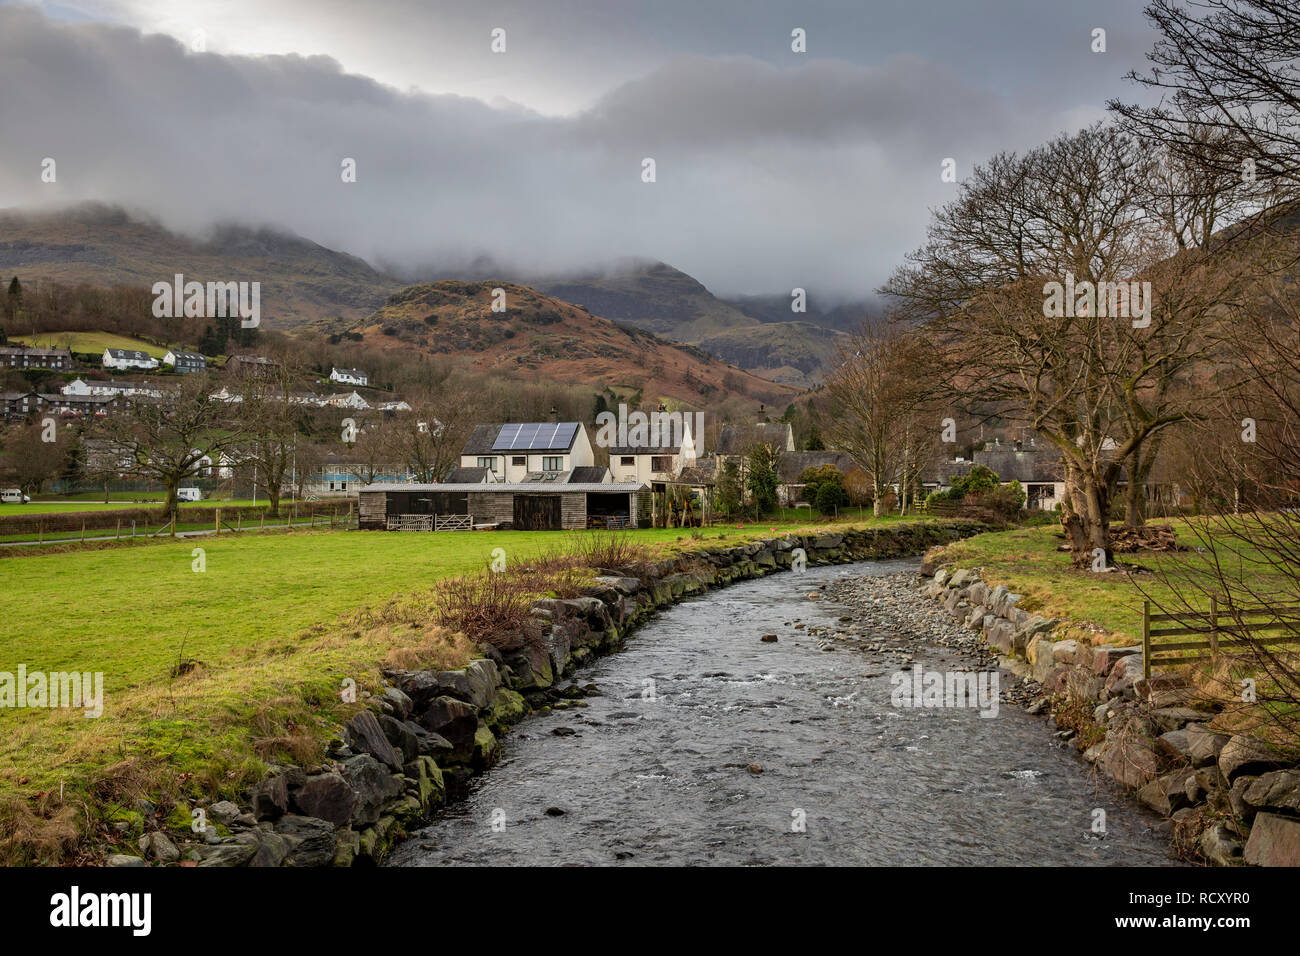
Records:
x=61, y=507
x=88, y=342
x=270, y=622
x=1027, y=561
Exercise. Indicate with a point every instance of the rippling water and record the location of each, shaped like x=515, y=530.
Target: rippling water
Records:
x=667, y=780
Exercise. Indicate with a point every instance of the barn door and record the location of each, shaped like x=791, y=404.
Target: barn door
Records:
x=537, y=512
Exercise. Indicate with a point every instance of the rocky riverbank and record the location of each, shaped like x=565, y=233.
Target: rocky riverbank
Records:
x=1232, y=799
x=417, y=745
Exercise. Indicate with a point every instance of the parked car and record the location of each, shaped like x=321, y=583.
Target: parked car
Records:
x=189, y=494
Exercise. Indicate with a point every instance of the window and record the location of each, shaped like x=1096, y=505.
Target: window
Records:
x=553, y=463
x=661, y=463
x=489, y=463
x=627, y=460
x=520, y=460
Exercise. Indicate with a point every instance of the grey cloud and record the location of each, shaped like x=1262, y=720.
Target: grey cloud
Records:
x=814, y=173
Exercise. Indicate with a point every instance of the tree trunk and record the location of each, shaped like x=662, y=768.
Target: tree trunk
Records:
x=1086, y=517
x=169, y=510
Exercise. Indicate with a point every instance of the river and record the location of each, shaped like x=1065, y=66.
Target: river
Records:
x=705, y=745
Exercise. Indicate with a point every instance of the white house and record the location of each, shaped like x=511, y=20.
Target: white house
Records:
x=348, y=400
x=129, y=359
x=397, y=406
x=79, y=387
x=517, y=452
x=184, y=362
x=349, y=376
x=662, y=462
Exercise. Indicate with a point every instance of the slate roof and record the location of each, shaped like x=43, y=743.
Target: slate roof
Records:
x=587, y=474
x=793, y=463
x=467, y=476
x=739, y=439
x=482, y=439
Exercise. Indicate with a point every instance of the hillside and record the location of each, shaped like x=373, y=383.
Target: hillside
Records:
x=541, y=338
x=842, y=317
x=652, y=296
x=104, y=246
x=670, y=303
x=791, y=352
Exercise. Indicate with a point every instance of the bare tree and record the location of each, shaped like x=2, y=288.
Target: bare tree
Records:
x=1230, y=67
x=874, y=407
x=428, y=439
x=270, y=422
x=38, y=452
x=168, y=439
x=1028, y=288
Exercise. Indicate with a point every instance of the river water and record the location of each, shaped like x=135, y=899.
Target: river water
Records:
x=706, y=746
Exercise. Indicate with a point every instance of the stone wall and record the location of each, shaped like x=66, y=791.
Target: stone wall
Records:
x=1231, y=798
x=417, y=745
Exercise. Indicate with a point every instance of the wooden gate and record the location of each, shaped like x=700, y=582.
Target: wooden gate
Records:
x=537, y=512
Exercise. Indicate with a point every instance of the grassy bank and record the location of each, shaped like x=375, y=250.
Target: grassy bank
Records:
x=1027, y=561
x=209, y=674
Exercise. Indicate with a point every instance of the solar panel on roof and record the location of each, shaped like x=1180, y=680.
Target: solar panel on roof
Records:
x=535, y=436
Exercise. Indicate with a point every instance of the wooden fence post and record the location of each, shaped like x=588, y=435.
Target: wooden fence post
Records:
x=216, y=525
x=118, y=533
x=1214, y=628
x=1146, y=639
x=83, y=530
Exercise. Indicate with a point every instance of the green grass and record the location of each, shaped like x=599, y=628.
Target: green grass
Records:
x=1027, y=561
x=272, y=622
x=63, y=506
x=147, y=529
x=89, y=342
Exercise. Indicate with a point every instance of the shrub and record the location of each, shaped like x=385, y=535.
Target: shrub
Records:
x=830, y=495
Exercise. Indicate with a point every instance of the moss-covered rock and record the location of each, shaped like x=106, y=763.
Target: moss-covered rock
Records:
x=507, y=711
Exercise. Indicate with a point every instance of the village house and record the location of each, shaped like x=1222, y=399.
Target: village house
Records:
x=1038, y=469
x=793, y=464
x=347, y=400
x=92, y=405
x=349, y=376
x=127, y=359
x=736, y=441
x=344, y=475
x=23, y=357
x=124, y=389
x=537, y=476
x=253, y=366
x=650, y=463
x=184, y=362
x=20, y=405
x=514, y=452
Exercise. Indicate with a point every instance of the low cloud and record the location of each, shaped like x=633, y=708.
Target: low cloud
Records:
x=768, y=177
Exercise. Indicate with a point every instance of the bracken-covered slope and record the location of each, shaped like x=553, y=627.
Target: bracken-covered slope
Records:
x=540, y=338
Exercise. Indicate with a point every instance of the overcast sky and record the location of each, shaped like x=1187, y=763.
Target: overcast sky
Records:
x=774, y=169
